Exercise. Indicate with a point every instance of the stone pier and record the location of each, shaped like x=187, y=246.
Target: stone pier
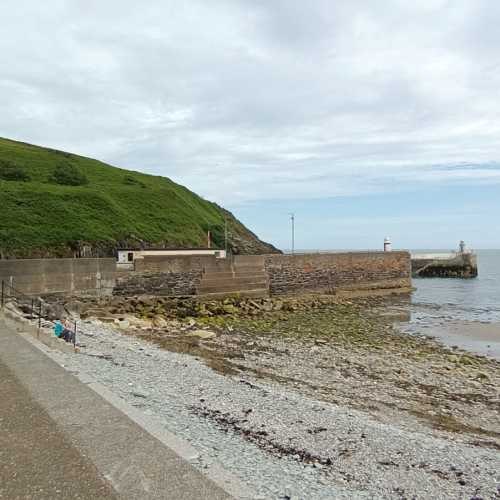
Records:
x=444, y=265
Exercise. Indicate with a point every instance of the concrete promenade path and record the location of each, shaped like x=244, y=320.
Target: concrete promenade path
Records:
x=59, y=439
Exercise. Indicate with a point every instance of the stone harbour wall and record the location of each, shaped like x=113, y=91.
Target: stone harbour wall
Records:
x=158, y=283
x=291, y=274
x=59, y=276
x=163, y=275
x=287, y=274
x=178, y=276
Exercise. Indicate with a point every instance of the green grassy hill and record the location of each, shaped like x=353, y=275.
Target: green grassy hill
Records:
x=55, y=204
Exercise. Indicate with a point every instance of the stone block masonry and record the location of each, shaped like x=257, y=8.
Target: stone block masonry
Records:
x=302, y=273
x=164, y=275
x=286, y=274
x=158, y=283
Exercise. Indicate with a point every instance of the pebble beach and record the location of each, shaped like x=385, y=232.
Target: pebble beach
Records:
x=325, y=401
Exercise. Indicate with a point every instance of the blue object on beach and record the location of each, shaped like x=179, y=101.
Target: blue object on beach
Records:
x=58, y=329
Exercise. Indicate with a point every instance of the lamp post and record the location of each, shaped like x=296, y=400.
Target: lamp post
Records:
x=225, y=234
x=292, y=218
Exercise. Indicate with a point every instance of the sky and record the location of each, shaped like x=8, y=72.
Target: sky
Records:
x=364, y=119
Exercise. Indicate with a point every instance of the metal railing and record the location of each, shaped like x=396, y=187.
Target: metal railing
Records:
x=32, y=305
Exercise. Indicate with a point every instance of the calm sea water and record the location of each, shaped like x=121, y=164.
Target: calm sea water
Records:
x=475, y=299
x=463, y=313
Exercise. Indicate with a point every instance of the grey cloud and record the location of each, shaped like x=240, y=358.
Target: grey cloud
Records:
x=282, y=99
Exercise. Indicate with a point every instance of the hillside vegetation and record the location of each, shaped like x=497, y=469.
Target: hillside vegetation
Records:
x=55, y=204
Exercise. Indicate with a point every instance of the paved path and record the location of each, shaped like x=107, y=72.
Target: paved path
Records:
x=36, y=459
x=59, y=439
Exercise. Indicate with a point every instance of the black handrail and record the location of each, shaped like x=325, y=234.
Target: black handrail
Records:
x=33, y=309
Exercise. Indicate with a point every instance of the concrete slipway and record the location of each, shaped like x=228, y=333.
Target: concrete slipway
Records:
x=65, y=436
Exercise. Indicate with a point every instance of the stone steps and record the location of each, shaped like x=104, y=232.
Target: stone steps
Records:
x=238, y=268
x=219, y=266
x=227, y=278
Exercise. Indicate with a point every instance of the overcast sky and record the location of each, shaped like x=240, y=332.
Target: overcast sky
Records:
x=365, y=118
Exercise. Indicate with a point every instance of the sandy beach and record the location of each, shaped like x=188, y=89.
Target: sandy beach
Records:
x=473, y=336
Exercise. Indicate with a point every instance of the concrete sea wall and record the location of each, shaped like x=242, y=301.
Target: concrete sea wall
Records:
x=64, y=276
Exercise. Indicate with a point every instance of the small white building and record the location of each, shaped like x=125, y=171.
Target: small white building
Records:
x=127, y=256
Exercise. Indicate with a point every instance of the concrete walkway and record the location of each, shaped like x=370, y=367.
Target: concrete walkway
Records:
x=59, y=439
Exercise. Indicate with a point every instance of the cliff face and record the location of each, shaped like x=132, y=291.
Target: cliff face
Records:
x=56, y=204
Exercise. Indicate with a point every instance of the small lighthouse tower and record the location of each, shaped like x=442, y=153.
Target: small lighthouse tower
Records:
x=387, y=244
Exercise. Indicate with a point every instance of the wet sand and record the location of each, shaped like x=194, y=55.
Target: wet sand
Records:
x=473, y=336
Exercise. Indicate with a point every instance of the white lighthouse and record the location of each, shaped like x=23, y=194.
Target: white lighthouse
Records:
x=387, y=244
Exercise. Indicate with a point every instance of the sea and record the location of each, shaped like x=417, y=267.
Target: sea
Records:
x=460, y=312
x=476, y=299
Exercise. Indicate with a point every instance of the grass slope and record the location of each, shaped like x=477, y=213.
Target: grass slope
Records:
x=52, y=203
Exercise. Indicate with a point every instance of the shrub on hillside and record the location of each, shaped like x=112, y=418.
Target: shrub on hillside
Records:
x=132, y=181
x=11, y=172
x=68, y=175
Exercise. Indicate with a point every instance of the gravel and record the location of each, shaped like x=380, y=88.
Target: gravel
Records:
x=283, y=444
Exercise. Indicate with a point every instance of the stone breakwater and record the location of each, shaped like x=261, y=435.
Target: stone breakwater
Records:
x=290, y=274
x=303, y=398
x=455, y=265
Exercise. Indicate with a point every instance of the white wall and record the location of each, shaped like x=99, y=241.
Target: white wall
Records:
x=122, y=254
